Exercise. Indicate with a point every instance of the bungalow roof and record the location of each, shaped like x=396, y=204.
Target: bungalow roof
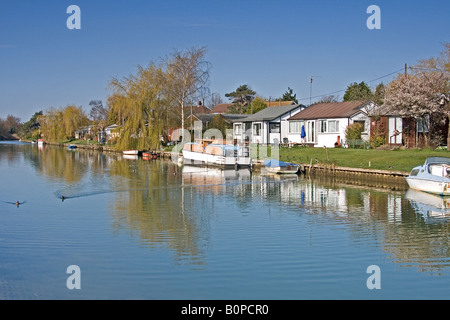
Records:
x=222, y=108
x=279, y=103
x=270, y=113
x=330, y=110
x=227, y=116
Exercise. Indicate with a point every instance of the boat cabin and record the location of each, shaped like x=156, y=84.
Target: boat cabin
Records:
x=216, y=147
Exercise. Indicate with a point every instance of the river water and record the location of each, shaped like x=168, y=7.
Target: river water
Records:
x=155, y=230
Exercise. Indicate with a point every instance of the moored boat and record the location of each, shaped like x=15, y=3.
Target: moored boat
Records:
x=71, y=147
x=41, y=142
x=131, y=152
x=281, y=167
x=433, y=176
x=150, y=155
x=215, y=152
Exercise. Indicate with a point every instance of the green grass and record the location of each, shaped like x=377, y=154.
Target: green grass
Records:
x=396, y=160
x=80, y=142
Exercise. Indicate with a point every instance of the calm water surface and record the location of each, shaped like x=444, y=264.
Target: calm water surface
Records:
x=155, y=230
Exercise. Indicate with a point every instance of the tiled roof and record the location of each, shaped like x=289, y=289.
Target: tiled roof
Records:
x=196, y=110
x=221, y=108
x=330, y=110
x=279, y=103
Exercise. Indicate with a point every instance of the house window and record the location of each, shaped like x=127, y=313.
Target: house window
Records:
x=333, y=126
x=322, y=126
x=311, y=131
x=423, y=124
x=238, y=129
x=257, y=129
x=328, y=126
x=274, y=127
x=295, y=126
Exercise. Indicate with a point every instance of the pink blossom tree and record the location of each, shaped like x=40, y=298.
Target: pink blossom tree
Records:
x=416, y=95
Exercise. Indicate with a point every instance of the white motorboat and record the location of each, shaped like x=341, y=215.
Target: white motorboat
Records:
x=214, y=152
x=433, y=176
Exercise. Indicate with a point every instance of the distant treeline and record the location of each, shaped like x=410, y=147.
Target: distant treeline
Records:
x=9, y=128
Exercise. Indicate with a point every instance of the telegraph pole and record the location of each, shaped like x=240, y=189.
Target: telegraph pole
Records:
x=310, y=88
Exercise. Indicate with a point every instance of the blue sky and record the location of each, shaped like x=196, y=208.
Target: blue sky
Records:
x=269, y=45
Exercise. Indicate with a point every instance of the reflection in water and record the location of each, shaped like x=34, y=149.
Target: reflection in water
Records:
x=171, y=206
x=429, y=205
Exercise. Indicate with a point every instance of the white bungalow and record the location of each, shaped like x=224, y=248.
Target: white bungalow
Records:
x=267, y=126
x=325, y=123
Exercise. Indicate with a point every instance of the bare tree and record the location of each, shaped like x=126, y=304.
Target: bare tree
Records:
x=215, y=100
x=187, y=73
x=98, y=112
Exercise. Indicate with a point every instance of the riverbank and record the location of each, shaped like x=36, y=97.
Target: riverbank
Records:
x=93, y=146
x=390, y=164
x=393, y=162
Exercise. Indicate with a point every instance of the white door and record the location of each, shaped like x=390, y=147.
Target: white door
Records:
x=311, y=131
x=395, y=130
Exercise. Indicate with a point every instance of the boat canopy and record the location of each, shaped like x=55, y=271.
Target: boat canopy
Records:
x=277, y=163
x=435, y=160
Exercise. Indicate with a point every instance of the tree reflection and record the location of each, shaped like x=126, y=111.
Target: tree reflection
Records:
x=155, y=208
x=164, y=205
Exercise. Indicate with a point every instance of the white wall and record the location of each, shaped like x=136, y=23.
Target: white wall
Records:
x=265, y=136
x=328, y=139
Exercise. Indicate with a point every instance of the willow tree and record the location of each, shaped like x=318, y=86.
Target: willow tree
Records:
x=61, y=124
x=187, y=72
x=74, y=118
x=138, y=103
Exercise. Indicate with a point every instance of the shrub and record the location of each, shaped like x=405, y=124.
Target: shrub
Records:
x=353, y=131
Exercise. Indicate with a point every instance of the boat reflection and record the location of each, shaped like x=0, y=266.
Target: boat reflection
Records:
x=213, y=179
x=429, y=205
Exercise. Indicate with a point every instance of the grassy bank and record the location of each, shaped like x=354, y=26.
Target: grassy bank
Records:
x=395, y=160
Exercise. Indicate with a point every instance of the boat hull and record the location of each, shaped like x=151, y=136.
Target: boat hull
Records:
x=282, y=170
x=211, y=159
x=431, y=186
x=131, y=152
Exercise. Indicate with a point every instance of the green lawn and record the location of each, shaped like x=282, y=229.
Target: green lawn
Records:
x=79, y=142
x=397, y=160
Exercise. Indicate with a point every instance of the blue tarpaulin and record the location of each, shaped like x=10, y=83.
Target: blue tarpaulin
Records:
x=277, y=163
x=303, y=134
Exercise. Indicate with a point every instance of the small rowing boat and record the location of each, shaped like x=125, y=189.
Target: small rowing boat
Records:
x=131, y=152
x=281, y=167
